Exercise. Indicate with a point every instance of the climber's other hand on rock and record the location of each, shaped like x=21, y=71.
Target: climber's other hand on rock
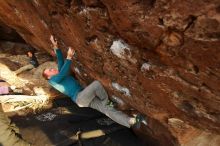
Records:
x=70, y=52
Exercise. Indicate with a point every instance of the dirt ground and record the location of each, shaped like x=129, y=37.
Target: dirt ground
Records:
x=57, y=124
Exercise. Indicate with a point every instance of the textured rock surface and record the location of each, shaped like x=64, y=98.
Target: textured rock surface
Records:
x=9, y=34
x=163, y=54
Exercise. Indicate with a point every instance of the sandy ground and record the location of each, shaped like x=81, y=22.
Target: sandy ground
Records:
x=53, y=126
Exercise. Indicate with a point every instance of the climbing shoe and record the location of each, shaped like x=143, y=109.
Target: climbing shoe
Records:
x=138, y=120
x=111, y=104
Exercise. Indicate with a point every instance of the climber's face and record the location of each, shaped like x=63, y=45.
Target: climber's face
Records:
x=48, y=73
x=29, y=54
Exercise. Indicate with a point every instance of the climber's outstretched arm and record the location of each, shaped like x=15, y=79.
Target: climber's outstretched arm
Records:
x=64, y=71
x=60, y=60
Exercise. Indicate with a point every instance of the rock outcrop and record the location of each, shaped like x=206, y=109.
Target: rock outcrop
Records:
x=160, y=57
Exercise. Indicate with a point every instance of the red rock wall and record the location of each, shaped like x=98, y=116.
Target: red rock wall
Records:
x=9, y=34
x=163, y=54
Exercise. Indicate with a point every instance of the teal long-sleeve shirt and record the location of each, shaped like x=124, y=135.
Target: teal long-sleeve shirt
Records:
x=63, y=81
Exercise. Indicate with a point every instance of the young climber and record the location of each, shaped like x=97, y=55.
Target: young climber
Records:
x=32, y=60
x=93, y=96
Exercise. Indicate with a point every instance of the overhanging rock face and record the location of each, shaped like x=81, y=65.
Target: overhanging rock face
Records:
x=161, y=57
